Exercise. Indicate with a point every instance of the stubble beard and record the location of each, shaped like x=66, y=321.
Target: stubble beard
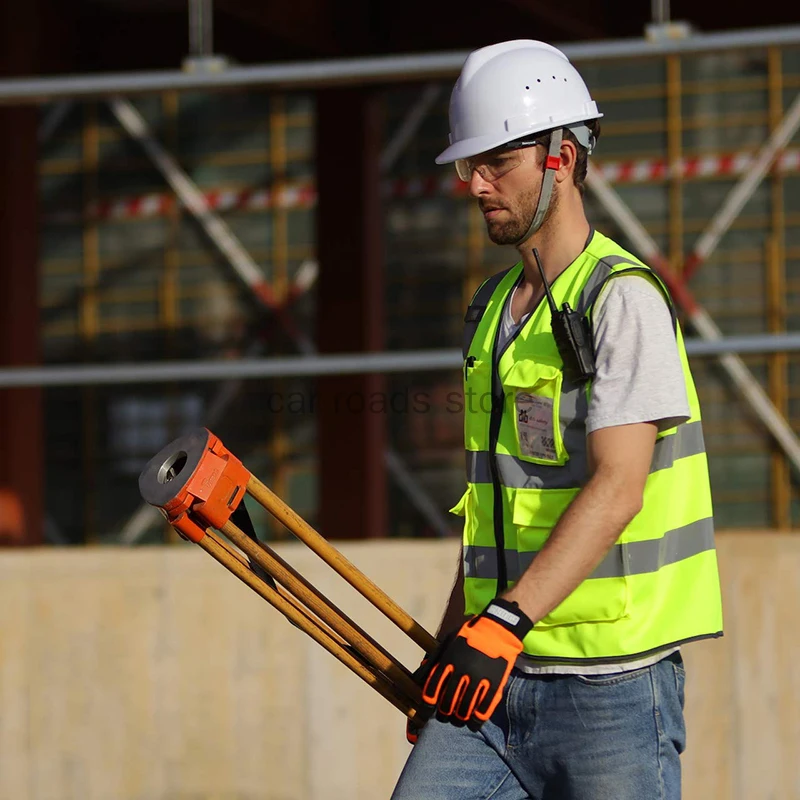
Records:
x=511, y=231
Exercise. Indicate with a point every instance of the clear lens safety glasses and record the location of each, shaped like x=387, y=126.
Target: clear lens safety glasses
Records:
x=490, y=166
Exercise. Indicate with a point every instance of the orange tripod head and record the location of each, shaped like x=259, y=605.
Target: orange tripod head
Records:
x=196, y=482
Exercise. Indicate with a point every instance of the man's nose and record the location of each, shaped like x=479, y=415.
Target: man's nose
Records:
x=477, y=185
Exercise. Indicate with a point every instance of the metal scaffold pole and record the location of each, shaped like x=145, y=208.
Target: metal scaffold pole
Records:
x=249, y=368
x=201, y=56
x=660, y=11
x=361, y=71
x=201, y=28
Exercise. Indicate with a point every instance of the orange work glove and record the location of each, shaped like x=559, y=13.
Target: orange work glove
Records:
x=468, y=674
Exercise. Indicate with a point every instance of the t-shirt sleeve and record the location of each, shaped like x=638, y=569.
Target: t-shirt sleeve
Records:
x=639, y=376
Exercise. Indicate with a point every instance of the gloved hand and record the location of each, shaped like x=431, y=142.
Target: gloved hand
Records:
x=413, y=727
x=468, y=674
x=412, y=731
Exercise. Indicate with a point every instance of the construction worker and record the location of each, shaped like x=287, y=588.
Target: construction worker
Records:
x=588, y=550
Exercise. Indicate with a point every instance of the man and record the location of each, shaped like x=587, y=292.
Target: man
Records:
x=588, y=550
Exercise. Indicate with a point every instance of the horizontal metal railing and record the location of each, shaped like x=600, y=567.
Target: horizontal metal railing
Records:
x=311, y=366
x=383, y=69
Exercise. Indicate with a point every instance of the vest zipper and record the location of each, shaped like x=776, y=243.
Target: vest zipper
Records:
x=495, y=423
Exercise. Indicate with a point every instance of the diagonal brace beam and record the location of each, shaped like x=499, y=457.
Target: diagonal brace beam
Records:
x=214, y=226
x=743, y=191
x=735, y=368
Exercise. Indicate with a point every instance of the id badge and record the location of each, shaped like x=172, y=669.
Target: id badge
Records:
x=535, y=426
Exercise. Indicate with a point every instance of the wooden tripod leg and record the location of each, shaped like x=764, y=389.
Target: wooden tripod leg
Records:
x=364, y=645
x=377, y=681
x=233, y=553
x=276, y=559
x=331, y=556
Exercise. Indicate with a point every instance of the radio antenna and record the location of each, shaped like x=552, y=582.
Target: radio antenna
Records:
x=550, y=301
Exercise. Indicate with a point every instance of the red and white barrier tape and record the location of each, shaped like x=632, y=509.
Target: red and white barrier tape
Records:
x=301, y=195
x=304, y=195
x=708, y=166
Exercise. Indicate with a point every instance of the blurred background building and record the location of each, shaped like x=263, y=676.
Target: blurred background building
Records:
x=160, y=231
x=362, y=241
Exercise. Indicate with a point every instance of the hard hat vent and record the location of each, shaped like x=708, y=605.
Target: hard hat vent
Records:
x=489, y=106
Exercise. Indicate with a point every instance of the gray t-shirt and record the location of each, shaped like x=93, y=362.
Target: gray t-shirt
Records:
x=639, y=373
x=639, y=378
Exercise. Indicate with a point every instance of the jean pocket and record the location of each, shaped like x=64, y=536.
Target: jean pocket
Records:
x=613, y=678
x=680, y=679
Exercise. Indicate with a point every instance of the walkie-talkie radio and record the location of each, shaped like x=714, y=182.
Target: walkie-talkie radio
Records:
x=572, y=334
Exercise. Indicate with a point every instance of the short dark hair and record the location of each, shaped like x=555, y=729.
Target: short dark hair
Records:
x=582, y=161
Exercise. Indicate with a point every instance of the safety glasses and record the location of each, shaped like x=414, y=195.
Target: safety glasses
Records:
x=493, y=165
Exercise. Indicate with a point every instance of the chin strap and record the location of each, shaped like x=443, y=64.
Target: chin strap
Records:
x=552, y=163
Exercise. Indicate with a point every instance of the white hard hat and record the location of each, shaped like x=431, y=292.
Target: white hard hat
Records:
x=512, y=89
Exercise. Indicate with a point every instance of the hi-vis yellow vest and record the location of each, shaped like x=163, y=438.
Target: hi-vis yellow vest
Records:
x=526, y=461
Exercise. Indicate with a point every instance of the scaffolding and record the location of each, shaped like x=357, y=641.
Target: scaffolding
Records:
x=126, y=274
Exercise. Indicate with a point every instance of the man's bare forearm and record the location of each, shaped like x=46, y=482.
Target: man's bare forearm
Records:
x=584, y=534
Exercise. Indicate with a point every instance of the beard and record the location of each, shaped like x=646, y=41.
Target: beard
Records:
x=511, y=231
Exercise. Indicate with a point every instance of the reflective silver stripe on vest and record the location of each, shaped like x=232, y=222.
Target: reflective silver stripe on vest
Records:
x=518, y=474
x=632, y=558
x=686, y=441
x=573, y=412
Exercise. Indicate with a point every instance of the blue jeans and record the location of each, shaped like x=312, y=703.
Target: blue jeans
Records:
x=561, y=737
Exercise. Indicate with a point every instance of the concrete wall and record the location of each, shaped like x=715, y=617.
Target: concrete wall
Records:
x=153, y=673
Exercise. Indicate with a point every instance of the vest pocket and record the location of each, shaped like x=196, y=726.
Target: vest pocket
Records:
x=477, y=403
x=460, y=508
x=533, y=399
x=535, y=513
x=465, y=507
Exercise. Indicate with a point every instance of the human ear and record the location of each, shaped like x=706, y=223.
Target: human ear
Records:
x=569, y=156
